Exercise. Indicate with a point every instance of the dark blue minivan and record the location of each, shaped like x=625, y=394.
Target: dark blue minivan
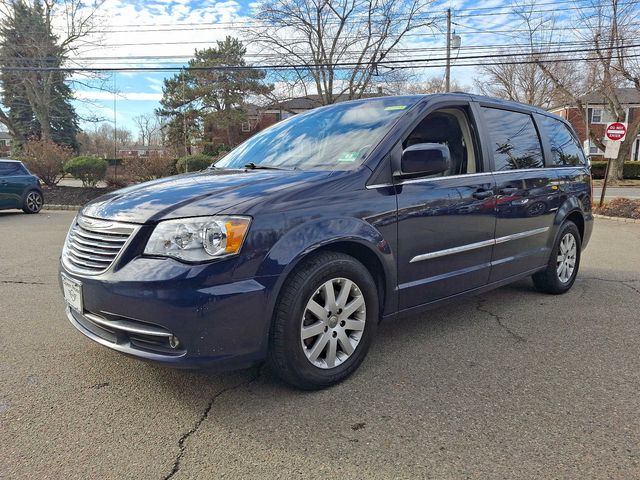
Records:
x=294, y=246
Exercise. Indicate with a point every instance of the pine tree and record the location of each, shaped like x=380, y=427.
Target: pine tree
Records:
x=215, y=96
x=38, y=101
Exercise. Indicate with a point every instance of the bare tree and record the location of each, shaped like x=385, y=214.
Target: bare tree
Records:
x=148, y=129
x=526, y=82
x=100, y=140
x=336, y=47
x=613, y=64
x=431, y=85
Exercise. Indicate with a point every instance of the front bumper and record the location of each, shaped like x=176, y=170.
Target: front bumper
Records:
x=176, y=314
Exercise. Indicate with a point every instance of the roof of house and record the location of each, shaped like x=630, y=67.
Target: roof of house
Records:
x=5, y=136
x=625, y=95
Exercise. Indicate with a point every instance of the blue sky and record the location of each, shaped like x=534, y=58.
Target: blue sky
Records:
x=135, y=28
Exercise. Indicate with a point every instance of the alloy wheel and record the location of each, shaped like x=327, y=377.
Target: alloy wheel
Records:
x=333, y=323
x=34, y=201
x=566, y=260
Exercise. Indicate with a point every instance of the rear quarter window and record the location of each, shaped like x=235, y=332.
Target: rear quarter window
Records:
x=8, y=169
x=565, y=149
x=514, y=139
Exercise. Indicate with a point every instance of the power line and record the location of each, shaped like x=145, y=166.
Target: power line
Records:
x=519, y=49
x=334, y=65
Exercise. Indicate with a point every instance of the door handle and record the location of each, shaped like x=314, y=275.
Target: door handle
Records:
x=508, y=190
x=482, y=194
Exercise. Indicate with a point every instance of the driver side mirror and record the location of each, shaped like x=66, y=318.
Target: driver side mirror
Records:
x=425, y=159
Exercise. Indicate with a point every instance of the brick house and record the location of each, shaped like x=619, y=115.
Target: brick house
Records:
x=599, y=117
x=5, y=144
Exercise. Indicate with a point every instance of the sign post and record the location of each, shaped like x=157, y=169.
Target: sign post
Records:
x=615, y=132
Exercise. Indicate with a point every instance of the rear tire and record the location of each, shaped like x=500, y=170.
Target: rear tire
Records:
x=564, y=262
x=324, y=322
x=33, y=202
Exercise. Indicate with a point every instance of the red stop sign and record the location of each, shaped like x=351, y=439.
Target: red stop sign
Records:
x=616, y=131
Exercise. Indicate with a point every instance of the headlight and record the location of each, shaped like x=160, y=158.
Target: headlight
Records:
x=198, y=239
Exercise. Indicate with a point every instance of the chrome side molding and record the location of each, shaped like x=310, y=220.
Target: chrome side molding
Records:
x=473, y=246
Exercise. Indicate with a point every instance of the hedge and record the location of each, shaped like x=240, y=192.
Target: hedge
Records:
x=194, y=162
x=630, y=170
x=88, y=169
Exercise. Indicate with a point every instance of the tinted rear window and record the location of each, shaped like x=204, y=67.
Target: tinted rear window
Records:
x=11, y=168
x=514, y=140
x=565, y=149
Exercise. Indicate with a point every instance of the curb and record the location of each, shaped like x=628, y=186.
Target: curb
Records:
x=617, y=219
x=61, y=207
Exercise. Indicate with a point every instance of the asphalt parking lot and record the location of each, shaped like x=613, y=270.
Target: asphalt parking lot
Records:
x=511, y=384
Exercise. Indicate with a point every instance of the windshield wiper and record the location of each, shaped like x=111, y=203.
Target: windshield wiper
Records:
x=253, y=166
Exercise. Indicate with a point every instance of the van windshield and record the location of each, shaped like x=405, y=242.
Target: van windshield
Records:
x=337, y=137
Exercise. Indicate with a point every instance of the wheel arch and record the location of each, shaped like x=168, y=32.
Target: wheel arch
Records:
x=571, y=210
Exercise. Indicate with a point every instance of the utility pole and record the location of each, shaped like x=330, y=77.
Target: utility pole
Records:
x=447, y=72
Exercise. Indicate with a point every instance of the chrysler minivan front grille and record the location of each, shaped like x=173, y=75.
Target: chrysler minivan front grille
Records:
x=93, y=245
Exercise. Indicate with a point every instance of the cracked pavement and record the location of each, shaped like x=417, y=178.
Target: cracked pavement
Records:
x=509, y=384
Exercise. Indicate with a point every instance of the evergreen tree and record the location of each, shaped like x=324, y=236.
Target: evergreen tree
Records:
x=37, y=98
x=215, y=97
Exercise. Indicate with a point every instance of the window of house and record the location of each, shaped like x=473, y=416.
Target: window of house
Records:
x=514, y=140
x=594, y=150
x=565, y=149
x=246, y=127
x=603, y=116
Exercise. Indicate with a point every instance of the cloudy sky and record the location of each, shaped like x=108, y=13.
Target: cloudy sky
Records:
x=166, y=32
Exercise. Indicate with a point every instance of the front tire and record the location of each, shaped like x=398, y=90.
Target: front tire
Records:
x=564, y=262
x=325, y=321
x=33, y=202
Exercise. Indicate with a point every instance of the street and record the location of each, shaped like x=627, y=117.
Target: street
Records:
x=616, y=192
x=510, y=384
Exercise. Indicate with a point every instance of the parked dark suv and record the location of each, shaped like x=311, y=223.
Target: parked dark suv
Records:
x=19, y=188
x=298, y=242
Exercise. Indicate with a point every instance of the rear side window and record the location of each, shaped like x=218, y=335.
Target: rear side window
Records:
x=514, y=140
x=8, y=169
x=565, y=149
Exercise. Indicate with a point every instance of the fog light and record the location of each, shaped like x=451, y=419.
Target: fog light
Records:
x=173, y=341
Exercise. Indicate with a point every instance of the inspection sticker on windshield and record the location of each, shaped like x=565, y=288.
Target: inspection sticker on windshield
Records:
x=395, y=107
x=348, y=157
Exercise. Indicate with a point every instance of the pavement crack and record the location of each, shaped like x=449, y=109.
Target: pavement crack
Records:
x=21, y=282
x=481, y=307
x=205, y=414
x=626, y=283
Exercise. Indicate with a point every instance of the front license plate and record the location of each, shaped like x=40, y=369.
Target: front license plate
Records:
x=72, y=293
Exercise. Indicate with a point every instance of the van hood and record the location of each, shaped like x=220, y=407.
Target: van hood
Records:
x=190, y=195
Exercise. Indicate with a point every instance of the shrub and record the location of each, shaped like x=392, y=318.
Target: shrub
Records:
x=150, y=167
x=45, y=159
x=88, y=169
x=194, y=163
x=114, y=181
x=630, y=169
